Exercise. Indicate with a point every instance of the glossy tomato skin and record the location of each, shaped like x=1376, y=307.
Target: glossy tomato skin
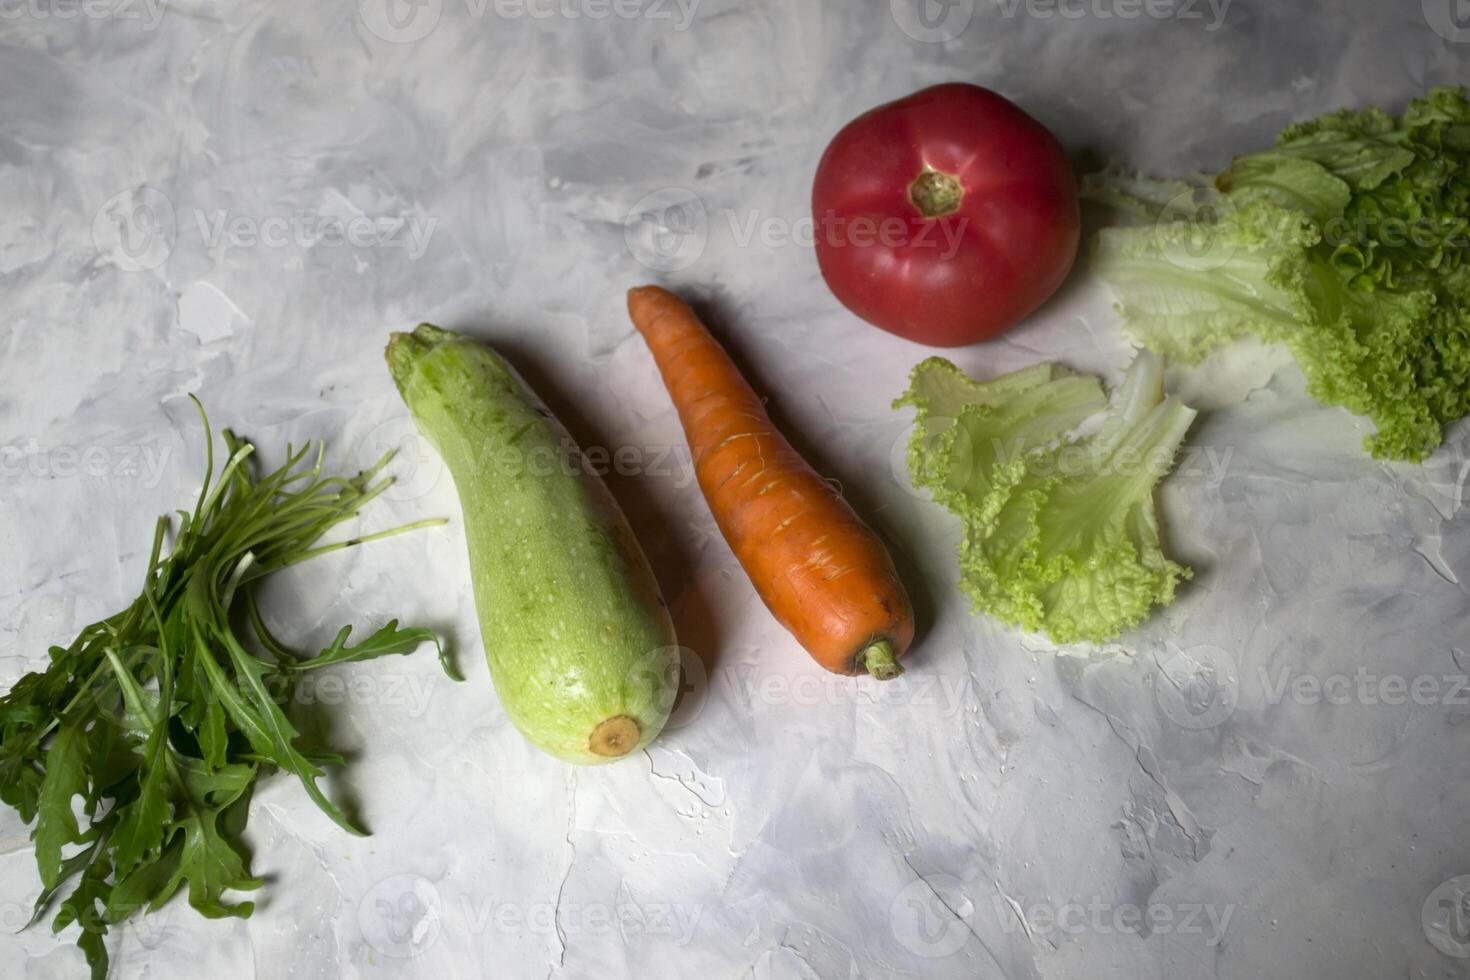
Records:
x=963, y=276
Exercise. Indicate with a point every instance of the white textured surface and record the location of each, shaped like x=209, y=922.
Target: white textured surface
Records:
x=791, y=825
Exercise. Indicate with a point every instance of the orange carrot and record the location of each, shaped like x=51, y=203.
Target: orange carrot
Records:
x=823, y=574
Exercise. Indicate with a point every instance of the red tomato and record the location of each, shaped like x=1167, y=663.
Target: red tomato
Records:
x=945, y=217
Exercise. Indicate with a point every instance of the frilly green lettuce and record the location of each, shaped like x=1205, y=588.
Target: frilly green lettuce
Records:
x=1346, y=242
x=1059, y=532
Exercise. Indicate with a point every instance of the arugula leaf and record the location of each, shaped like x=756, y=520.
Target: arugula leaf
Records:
x=87, y=906
x=148, y=887
x=385, y=642
x=70, y=868
x=66, y=777
x=269, y=723
x=162, y=716
x=211, y=865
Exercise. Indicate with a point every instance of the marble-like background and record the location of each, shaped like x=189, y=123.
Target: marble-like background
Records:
x=510, y=168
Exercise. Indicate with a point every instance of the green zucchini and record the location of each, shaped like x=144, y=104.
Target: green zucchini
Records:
x=580, y=643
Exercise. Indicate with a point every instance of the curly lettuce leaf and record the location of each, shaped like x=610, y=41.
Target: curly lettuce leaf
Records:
x=1146, y=197
x=1288, y=181
x=971, y=437
x=1346, y=242
x=1059, y=534
x=1187, y=287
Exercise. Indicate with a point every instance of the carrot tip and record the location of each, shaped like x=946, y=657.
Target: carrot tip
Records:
x=881, y=662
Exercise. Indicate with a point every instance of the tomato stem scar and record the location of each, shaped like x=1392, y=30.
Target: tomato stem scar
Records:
x=936, y=194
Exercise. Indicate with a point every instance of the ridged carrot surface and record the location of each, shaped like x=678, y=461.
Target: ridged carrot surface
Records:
x=821, y=571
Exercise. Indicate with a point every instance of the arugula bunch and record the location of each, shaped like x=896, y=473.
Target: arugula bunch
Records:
x=1346, y=242
x=162, y=717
